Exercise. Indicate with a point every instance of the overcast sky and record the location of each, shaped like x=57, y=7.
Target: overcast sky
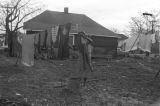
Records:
x=109, y=13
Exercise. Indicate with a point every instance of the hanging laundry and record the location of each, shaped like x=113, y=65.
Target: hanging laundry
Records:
x=63, y=41
x=157, y=36
x=131, y=43
x=155, y=43
x=145, y=42
x=153, y=38
x=54, y=32
x=42, y=38
x=45, y=39
x=28, y=50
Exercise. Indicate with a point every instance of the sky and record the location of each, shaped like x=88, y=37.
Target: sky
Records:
x=109, y=13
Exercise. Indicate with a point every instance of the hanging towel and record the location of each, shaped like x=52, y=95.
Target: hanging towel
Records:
x=28, y=50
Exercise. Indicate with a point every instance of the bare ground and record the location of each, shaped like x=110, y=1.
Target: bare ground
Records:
x=123, y=82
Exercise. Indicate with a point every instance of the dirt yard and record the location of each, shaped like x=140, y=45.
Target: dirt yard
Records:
x=122, y=82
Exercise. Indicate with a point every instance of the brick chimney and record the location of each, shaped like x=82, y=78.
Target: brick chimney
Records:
x=66, y=10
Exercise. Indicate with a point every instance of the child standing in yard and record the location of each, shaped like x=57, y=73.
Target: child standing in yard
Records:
x=84, y=47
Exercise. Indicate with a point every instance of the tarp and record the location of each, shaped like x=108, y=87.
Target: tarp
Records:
x=28, y=50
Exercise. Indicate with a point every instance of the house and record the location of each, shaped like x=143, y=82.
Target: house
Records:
x=121, y=41
x=122, y=37
x=105, y=41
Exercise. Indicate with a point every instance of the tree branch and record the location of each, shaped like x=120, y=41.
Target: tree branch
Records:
x=24, y=4
x=14, y=12
x=25, y=17
x=19, y=28
x=15, y=16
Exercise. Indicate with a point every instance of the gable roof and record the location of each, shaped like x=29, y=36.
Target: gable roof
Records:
x=50, y=18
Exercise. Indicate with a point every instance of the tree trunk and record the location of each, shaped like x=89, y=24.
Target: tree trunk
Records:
x=9, y=44
x=12, y=37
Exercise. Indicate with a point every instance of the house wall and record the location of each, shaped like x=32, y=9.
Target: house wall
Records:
x=101, y=45
x=104, y=45
x=121, y=44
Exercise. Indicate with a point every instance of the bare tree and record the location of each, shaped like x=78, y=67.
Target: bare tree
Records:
x=143, y=23
x=115, y=30
x=13, y=13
